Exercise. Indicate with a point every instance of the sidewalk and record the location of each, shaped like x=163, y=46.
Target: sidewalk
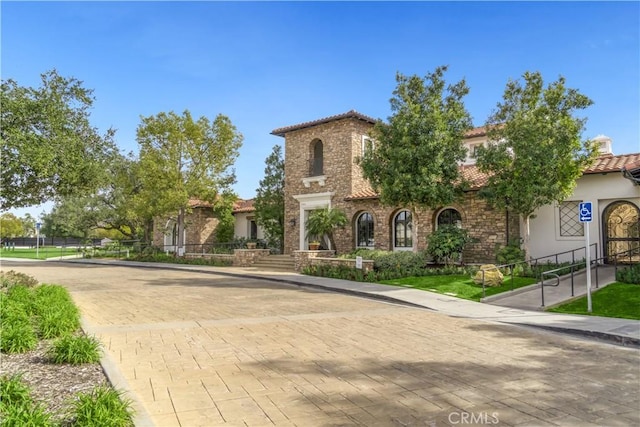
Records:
x=621, y=331
x=530, y=297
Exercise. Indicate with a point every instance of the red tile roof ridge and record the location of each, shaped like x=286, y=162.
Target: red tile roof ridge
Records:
x=351, y=114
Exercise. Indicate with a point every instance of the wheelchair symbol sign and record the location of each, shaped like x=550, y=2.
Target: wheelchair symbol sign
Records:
x=584, y=212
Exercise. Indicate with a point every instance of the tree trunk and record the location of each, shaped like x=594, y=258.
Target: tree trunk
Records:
x=180, y=249
x=414, y=229
x=524, y=227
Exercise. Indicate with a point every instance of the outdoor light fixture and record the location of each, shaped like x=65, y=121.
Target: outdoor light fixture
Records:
x=292, y=222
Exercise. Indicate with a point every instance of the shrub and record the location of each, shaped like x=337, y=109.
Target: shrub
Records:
x=629, y=275
x=350, y=273
x=75, y=350
x=445, y=244
x=103, y=406
x=11, y=278
x=511, y=253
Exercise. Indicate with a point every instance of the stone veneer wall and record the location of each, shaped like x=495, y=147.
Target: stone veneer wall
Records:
x=200, y=228
x=486, y=225
x=340, y=141
x=248, y=257
x=342, y=144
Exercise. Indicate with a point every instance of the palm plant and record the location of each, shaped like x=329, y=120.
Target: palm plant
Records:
x=323, y=222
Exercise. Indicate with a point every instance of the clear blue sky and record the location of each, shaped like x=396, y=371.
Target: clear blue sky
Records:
x=273, y=64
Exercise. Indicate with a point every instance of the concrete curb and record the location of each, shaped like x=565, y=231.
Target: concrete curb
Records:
x=141, y=417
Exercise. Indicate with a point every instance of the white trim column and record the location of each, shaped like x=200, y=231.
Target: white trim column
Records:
x=310, y=202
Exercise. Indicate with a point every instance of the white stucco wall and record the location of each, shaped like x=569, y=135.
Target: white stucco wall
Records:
x=599, y=189
x=242, y=225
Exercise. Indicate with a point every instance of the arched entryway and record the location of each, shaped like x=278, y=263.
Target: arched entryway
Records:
x=621, y=229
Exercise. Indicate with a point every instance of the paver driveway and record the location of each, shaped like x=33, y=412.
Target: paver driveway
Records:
x=204, y=349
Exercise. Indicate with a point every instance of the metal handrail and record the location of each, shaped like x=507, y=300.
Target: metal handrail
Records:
x=582, y=265
x=532, y=261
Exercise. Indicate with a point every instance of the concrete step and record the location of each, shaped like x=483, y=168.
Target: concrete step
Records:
x=275, y=262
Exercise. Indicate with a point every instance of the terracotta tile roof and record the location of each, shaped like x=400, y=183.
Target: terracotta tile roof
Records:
x=239, y=206
x=475, y=132
x=197, y=203
x=477, y=179
x=242, y=206
x=353, y=114
x=471, y=173
x=611, y=163
x=362, y=195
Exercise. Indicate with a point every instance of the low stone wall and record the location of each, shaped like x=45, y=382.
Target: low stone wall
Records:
x=301, y=258
x=248, y=257
x=222, y=257
x=308, y=258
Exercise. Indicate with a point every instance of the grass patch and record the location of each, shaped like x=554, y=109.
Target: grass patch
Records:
x=104, y=407
x=75, y=350
x=458, y=286
x=43, y=253
x=621, y=300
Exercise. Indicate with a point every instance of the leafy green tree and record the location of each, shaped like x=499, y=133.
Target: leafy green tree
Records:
x=269, y=202
x=223, y=210
x=183, y=158
x=445, y=244
x=70, y=217
x=110, y=211
x=538, y=153
x=49, y=148
x=10, y=226
x=416, y=155
x=28, y=225
x=117, y=205
x=323, y=222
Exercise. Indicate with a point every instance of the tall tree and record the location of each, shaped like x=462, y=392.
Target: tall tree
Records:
x=49, y=148
x=10, y=226
x=538, y=153
x=416, y=155
x=269, y=203
x=70, y=217
x=28, y=225
x=182, y=158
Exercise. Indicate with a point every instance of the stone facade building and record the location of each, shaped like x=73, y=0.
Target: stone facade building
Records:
x=321, y=171
x=200, y=226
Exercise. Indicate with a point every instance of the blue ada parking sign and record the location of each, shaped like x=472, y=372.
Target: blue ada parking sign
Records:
x=584, y=212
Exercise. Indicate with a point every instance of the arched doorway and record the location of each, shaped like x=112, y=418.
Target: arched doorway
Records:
x=621, y=229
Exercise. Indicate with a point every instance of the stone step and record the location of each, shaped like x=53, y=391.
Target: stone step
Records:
x=275, y=262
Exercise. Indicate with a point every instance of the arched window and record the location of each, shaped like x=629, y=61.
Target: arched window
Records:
x=449, y=216
x=403, y=231
x=364, y=231
x=315, y=163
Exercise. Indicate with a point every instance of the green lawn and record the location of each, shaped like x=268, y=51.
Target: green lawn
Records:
x=621, y=300
x=43, y=253
x=458, y=286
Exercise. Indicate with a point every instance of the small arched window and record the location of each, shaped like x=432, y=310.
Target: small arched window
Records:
x=403, y=230
x=449, y=216
x=364, y=231
x=316, y=161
